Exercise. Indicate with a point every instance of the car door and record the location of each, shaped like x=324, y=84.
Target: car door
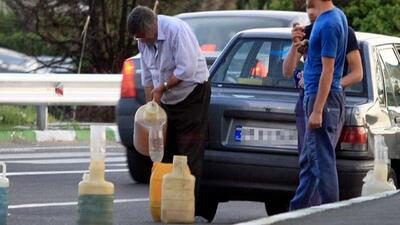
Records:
x=390, y=63
x=252, y=106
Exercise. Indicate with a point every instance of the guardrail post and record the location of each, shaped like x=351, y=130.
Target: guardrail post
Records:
x=41, y=117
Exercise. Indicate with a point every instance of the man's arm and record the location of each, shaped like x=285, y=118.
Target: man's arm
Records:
x=157, y=92
x=325, y=82
x=355, y=66
x=290, y=62
x=293, y=58
x=147, y=93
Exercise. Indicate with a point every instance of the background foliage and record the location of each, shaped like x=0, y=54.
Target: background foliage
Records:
x=54, y=27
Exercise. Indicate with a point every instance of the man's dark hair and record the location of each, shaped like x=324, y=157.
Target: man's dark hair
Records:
x=140, y=19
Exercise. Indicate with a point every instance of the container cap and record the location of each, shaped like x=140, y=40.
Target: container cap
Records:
x=3, y=179
x=151, y=110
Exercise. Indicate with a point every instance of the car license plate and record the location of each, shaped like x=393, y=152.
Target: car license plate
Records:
x=265, y=136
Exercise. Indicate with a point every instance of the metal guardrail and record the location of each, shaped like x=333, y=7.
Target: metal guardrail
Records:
x=59, y=89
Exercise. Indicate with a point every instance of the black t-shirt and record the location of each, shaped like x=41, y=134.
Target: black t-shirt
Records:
x=352, y=43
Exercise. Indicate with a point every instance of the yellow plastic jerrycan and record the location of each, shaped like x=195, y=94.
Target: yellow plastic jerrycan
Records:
x=150, y=130
x=157, y=173
x=177, y=195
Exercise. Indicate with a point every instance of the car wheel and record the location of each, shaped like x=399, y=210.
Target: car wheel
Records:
x=139, y=166
x=207, y=208
x=276, y=205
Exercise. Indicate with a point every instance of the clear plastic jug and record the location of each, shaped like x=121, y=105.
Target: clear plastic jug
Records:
x=177, y=194
x=376, y=180
x=150, y=130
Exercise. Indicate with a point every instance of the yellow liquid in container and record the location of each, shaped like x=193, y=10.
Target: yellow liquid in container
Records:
x=148, y=115
x=96, y=184
x=96, y=196
x=158, y=171
x=376, y=182
x=177, y=195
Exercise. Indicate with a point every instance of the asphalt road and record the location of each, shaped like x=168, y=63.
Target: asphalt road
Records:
x=44, y=187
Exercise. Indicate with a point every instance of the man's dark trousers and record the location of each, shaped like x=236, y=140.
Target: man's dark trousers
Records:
x=318, y=173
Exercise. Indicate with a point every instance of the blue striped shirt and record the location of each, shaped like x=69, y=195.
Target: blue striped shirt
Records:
x=176, y=52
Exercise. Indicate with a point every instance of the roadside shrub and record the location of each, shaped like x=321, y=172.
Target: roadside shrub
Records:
x=11, y=116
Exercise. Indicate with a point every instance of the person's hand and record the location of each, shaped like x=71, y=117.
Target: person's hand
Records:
x=315, y=120
x=157, y=92
x=302, y=46
x=297, y=33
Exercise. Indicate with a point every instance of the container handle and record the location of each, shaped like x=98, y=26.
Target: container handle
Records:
x=4, y=167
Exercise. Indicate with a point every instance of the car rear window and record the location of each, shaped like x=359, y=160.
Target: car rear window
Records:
x=258, y=62
x=213, y=33
x=255, y=62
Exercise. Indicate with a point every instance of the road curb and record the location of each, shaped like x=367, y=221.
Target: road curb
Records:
x=38, y=136
x=316, y=209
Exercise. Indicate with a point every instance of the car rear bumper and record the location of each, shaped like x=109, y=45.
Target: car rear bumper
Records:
x=255, y=176
x=125, y=114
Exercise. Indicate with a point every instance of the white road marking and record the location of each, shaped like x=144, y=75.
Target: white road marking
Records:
x=117, y=165
x=61, y=172
x=32, y=149
x=52, y=155
x=65, y=161
x=40, y=205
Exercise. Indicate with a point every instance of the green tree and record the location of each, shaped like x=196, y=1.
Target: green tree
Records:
x=60, y=24
x=14, y=37
x=377, y=16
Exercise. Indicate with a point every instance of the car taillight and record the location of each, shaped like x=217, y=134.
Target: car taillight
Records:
x=353, y=138
x=260, y=70
x=208, y=47
x=128, y=88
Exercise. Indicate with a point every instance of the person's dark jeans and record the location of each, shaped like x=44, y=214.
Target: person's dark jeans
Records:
x=318, y=174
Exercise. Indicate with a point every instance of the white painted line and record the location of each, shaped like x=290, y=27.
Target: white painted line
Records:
x=61, y=172
x=32, y=149
x=316, y=209
x=48, y=155
x=64, y=161
x=117, y=165
x=41, y=205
